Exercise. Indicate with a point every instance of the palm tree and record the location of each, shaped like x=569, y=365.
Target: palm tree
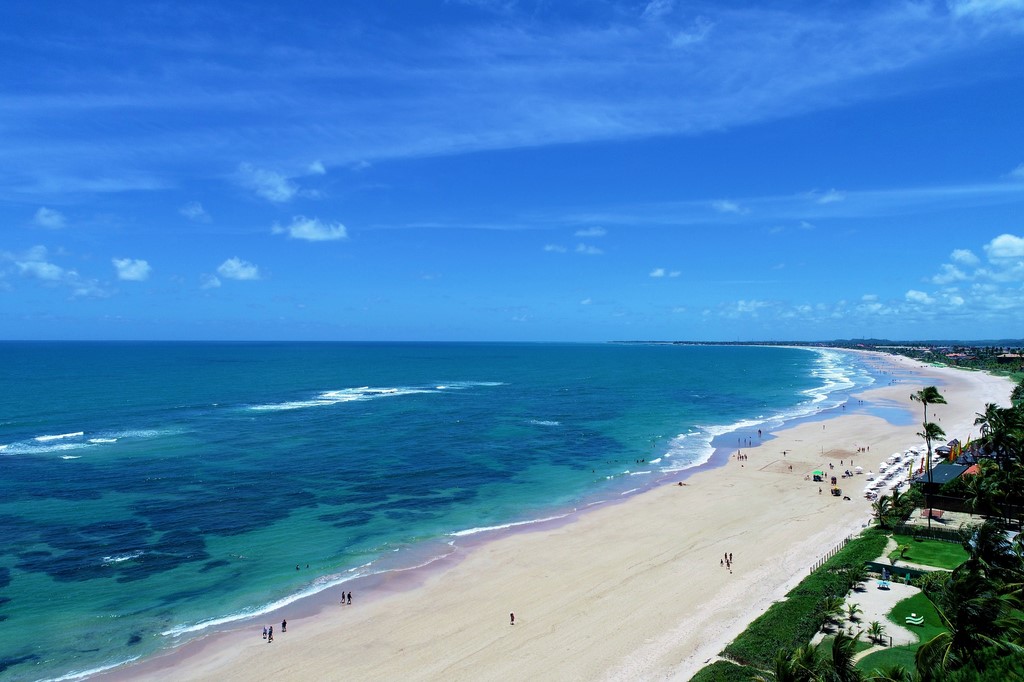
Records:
x=851, y=612
x=856, y=575
x=975, y=617
x=989, y=549
x=893, y=673
x=932, y=431
x=876, y=631
x=831, y=607
x=843, y=649
x=883, y=509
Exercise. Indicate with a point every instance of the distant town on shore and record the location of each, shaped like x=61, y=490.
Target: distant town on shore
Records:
x=1003, y=356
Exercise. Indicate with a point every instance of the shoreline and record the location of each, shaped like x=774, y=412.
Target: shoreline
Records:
x=605, y=594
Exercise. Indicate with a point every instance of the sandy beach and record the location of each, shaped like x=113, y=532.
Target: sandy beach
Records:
x=627, y=590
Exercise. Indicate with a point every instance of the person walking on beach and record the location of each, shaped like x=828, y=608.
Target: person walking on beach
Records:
x=512, y=618
x=270, y=634
x=284, y=626
x=264, y=632
x=349, y=597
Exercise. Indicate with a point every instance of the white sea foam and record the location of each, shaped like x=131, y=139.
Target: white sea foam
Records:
x=71, y=457
x=118, y=558
x=99, y=441
x=60, y=436
x=504, y=526
x=82, y=674
x=345, y=395
x=317, y=586
x=545, y=422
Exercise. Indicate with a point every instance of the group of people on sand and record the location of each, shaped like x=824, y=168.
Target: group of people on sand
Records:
x=268, y=633
x=726, y=561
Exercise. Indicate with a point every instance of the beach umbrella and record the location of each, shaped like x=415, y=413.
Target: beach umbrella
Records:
x=893, y=457
x=858, y=469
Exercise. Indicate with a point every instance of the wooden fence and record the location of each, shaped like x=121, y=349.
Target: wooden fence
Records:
x=831, y=553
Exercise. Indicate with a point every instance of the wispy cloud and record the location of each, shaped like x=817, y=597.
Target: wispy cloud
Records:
x=830, y=197
x=238, y=269
x=132, y=269
x=694, y=34
x=267, y=184
x=194, y=210
x=725, y=206
x=555, y=248
x=588, y=250
x=591, y=232
x=49, y=218
x=312, y=230
x=35, y=264
x=522, y=81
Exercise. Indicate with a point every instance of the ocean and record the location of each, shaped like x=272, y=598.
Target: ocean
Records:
x=150, y=492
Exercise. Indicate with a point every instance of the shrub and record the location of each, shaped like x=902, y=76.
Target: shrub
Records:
x=724, y=671
x=791, y=623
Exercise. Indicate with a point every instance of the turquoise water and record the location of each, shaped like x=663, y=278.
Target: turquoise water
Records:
x=152, y=491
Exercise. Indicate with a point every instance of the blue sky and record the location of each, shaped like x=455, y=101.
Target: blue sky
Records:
x=512, y=170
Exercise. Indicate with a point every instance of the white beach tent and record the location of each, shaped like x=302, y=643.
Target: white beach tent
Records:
x=858, y=470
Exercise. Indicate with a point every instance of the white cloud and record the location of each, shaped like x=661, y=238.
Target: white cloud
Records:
x=725, y=206
x=236, y=268
x=41, y=270
x=657, y=272
x=591, y=232
x=207, y=281
x=869, y=297
x=1018, y=172
x=588, y=250
x=1005, y=247
x=586, y=301
x=948, y=274
x=964, y=257
x=268, y=184
x=675, y=273
x=312, y=230
x=193, y=210
x=34, y=264
x=555, y=248
x=49, y=218
x=317, y=168
x=915, y=296
x=132, y=269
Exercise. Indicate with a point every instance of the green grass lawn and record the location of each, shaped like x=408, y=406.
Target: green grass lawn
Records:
x=904, y=655
x=947, y=555
x=920, y=605
x=898, y=655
